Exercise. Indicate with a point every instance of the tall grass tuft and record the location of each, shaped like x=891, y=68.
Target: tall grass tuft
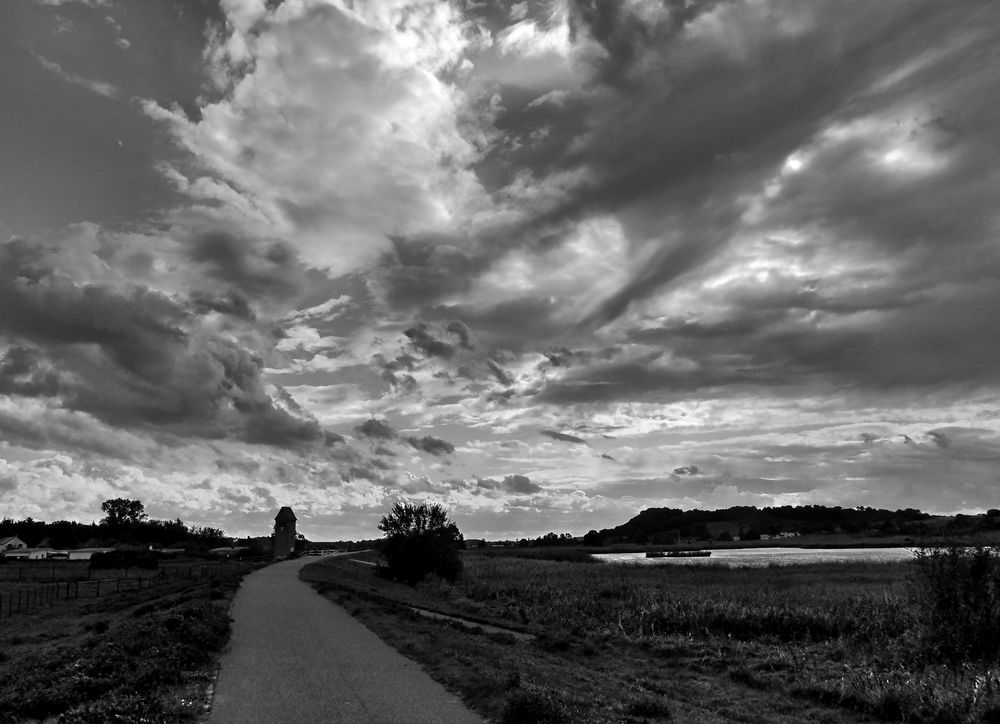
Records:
x=956, y=598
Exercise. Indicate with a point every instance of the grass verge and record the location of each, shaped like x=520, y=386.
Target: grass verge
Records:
x=591, y=662
x=141, y=656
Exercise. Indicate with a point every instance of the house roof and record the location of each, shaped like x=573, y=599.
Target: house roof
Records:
x=8, y=539
x=285, y=515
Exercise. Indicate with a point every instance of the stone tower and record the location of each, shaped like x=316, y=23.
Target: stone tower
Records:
x=284, y=533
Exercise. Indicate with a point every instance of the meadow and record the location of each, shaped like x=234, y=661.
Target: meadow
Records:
x=141, y=655
x=903, y=642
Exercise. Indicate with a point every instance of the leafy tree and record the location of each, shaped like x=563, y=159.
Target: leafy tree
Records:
x=123, y=512
x=419, y=539
x=593, y=538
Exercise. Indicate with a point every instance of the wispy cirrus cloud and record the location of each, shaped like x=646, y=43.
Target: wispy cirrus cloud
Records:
x=108, y=90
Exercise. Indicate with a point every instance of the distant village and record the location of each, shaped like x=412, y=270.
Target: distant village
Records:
x=127, y=529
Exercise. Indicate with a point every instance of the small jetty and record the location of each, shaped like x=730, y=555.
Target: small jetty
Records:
x=678, y=554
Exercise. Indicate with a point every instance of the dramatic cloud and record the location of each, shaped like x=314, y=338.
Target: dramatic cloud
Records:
x=129, y=355
x=562, y=260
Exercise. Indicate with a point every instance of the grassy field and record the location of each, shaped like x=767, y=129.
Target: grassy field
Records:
x=13, y=573
x=145, y=655
x=824, y=643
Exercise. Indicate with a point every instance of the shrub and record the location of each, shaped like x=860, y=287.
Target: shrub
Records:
x=419, y=539
x=956, y=593
x=119, y=560
x=649, y=707
x=533, y=707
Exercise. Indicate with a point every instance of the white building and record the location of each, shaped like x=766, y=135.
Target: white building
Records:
x=12, y=543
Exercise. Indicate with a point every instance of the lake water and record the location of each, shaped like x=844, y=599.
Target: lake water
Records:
x=759, y=557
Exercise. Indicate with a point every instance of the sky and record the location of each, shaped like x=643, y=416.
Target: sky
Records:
x=547, y=263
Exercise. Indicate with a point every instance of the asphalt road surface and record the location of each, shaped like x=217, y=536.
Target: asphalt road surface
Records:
x=296, y=657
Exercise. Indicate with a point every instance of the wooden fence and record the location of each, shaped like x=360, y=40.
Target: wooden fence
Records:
x=27, y=599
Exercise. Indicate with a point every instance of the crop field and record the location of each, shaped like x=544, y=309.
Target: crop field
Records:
x=826, y=642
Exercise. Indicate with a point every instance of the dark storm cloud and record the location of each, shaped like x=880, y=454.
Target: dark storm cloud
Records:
x=940, y=439
x=645, y=378
x=259, y=269
x=354, y=472
x=71, y=431
x=919, y=339
x=428, y=344
x=24, y=372
x=512, y=324
x=231, y=303
x=393, y=372
x=518, y=484
x=559, y=357
x=687, y=470
x=421, y=270
x=406, y=384
x=462, y=331
x=376, y=429
x=502, y=377
x=432, y=445
x=563, y=437
x=624, y=36
x=132, y=356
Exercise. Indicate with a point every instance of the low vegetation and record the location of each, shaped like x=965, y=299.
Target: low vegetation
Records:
x=902, y=642
x=140, y=656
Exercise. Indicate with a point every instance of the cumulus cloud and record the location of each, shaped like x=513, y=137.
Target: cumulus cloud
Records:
x=336, y=123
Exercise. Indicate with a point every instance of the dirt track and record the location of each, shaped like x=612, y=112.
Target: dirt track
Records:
x=296, y=657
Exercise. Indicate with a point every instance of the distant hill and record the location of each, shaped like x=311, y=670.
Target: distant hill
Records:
x=671, y=525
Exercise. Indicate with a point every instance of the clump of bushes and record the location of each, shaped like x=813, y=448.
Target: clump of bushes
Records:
x=533, y=706
x=956, y=599
x=419, y=540
x=123, y=560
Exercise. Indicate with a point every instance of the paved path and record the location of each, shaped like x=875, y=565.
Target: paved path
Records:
x=296, y=657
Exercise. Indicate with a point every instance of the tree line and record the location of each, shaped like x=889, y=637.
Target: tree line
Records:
x=125, y=522
x=668, y=525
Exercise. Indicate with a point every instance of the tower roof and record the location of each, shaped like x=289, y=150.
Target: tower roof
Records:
x=284, y=515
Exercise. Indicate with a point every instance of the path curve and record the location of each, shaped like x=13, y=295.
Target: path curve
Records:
x=295, y=656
